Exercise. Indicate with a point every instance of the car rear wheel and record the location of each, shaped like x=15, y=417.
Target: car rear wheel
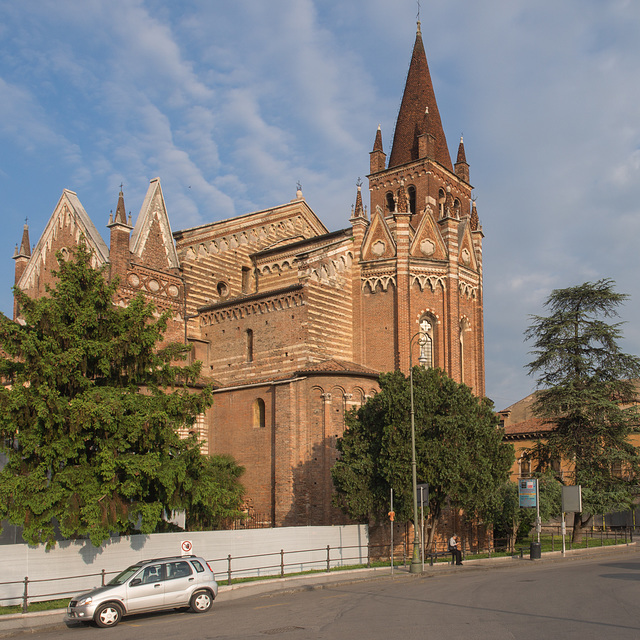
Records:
x=201, y=601
x=107, y=615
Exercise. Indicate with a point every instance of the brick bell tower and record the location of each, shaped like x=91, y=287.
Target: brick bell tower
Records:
x=420, y=256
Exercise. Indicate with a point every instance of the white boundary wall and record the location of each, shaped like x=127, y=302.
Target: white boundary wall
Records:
x=70, y=562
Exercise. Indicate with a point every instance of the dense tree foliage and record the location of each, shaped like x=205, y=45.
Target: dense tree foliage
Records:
x=588, y=393
x=459, y=449
x=89, y=417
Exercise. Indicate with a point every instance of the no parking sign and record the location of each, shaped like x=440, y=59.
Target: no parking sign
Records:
x=186, y=547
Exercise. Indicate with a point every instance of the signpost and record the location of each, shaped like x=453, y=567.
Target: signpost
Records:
x=392, y=517
x=571, y=502
x=423, y=498
x=529, y=497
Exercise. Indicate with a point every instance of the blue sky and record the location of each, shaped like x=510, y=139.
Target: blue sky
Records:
x=232, y=103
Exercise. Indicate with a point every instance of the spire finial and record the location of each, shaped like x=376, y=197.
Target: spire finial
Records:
x=418, y=15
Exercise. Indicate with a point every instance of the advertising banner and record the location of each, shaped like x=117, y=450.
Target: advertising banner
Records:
x=528, y=492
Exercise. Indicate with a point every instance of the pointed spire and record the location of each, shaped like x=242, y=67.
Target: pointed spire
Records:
x=25, y=246
x=359, y=208
x=461, y=155
x=474, y=222
x=462, y=166
x=121, y=214
x=120, y=217
x=377, y=145
x=377, y=158
x=418, y=108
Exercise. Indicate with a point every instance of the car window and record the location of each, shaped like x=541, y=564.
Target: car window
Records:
x=179, y=569
x=197, y=566
x=151, y=574
x=122, y=577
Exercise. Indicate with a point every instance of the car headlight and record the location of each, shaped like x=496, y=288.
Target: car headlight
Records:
x=84, y=601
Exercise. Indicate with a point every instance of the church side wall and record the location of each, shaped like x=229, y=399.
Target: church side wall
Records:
x=258, y=339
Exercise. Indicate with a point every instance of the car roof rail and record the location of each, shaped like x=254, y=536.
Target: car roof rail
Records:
x=167, y=558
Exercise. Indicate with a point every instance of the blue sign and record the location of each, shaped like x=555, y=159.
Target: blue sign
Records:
x=528, y=492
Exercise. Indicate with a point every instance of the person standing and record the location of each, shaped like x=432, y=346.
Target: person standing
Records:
x=454, y=549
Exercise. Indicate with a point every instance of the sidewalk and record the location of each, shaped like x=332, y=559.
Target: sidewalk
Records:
x=45, y=620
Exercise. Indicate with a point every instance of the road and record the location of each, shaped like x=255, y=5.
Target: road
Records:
x=572, y=598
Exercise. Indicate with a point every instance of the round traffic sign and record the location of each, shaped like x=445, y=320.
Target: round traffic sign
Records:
x=186, y=546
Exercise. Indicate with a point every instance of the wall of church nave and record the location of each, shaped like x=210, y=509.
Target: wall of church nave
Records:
x=241, y=423
x=255, y=340
x=330, y=325
x=322, y=404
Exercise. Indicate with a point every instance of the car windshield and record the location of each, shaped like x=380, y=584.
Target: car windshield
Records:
x=124, y=576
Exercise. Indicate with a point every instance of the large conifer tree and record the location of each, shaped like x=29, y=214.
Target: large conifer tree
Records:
x=588, y=393
x=90, y=412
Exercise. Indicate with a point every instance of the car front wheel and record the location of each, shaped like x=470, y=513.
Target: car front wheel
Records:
x=107, y=615
x=201, y=601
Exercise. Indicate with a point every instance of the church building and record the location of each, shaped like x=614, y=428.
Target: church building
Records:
x=293, y=323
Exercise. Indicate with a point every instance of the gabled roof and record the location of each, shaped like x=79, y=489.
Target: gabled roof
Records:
x=153, y=216
x=68, y=213
x=418, y=114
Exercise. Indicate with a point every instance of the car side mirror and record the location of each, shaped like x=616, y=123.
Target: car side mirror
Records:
x=135, y=582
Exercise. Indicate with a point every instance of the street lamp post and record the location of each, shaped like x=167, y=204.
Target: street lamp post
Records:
x=415, y=566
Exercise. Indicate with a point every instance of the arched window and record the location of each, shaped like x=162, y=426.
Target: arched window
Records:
x=426, y=342
x=390, y=205
x=249, y=336
x=525, y=467
x=258, y=413
x=456, y=208
x=442, y=199
x=411, y=192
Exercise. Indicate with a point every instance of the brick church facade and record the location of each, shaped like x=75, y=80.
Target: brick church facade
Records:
x=293, y=323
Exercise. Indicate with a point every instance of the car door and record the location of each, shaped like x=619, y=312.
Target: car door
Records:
x=179, y=583
x=146, y=589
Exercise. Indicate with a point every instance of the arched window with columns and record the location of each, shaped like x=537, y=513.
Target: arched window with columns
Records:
x=426, y=341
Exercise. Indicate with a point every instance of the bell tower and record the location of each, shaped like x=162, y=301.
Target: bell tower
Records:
x=421, y=257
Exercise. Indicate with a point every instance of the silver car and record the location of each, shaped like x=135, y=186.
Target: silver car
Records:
x=150, y=585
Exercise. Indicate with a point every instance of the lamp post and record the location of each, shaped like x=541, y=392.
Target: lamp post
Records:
x=415, y=566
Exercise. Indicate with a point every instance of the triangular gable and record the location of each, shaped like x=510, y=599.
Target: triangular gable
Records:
x=427, y=241
x=71, y=220
x=467, y=254
x=152, y=241
x=378, y=242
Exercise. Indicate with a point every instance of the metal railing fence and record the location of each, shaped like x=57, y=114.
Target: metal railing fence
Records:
x=282, y=563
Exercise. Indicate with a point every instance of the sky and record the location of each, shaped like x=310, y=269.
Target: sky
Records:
x=232, y=104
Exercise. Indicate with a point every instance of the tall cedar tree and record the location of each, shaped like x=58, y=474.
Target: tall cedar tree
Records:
x=89, y=415
x=459, y=450
x=588, y=393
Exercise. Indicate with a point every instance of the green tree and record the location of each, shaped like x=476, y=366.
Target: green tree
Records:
x=459, y=449
x=588, y=394
x=90, y=412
